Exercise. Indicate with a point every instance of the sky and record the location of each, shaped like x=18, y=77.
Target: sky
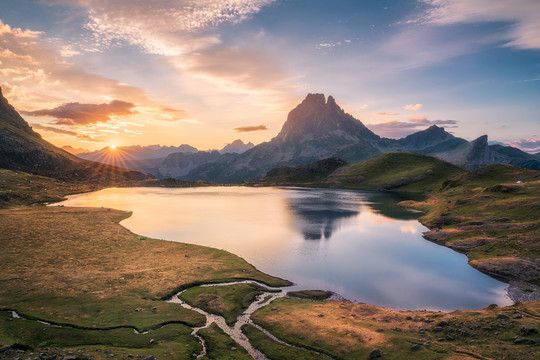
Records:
x=96, y=73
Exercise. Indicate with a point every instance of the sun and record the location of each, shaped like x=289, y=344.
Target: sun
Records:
x=113, y=147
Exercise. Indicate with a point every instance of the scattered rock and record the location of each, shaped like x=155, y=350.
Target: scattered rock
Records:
x=415, y=347
x=437, y=329
x=527, y=330
x=503, y=317
x=233, y=348
x=375, y=354
x=443, y=323
x=518, y=316
x=521, y=340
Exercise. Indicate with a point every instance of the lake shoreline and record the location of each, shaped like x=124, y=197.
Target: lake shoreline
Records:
x=391, y=320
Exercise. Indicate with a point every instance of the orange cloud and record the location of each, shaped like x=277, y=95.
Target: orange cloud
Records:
x=413, y=107
x=31, y=68
x=385, y=114
x=251, y=128
x=62, y=131
x=83, y=114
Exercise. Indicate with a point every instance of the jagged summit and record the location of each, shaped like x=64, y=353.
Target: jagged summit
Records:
x=318, y=117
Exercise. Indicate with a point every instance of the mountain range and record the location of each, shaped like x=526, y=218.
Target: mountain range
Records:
x=314, y=130
x=317, y=129
x=22, y=149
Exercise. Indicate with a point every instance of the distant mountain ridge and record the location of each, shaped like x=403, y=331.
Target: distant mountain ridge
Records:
x=22, y=149
x=315, y=129
x=318, y=128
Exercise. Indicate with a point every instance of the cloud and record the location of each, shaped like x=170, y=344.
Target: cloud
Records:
x=522, y=14
x=249, y=68
x=33, y=68
x=186, y=32
x=83, y=114
x=385, y=114
x=419, y=119
x=413, y=107
x=62, y=131
x=398, y=129
x=531, y=145
x=251, y=128
x=165, y=27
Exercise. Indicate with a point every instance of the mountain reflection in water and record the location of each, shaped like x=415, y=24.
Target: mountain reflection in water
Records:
x=319, y=213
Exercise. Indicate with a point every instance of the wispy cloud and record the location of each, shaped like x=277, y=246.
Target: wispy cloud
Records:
x=29, y=64
x=385, y=114
x=413, y=107
x=398, y=128
x=166, y=27
x=83, y=114
x=63, y=132
x=186, y=33
x=531, y=145
x=522, y=14
x=251, y=128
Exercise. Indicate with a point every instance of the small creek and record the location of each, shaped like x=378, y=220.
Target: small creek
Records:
x=234, y=332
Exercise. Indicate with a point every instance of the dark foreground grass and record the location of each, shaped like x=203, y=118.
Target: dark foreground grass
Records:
x=173, y=339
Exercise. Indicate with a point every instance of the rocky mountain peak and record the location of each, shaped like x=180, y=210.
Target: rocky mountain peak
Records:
x=319, y=117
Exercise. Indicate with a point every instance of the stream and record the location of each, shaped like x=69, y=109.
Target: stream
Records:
x=234, y=332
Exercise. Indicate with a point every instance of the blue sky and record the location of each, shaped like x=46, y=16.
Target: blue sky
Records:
x=93, y=73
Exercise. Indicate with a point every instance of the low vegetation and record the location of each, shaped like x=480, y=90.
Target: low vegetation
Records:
x=346, y=330
x=228, y=301
x=221, y=346
x=78, y=267
x=491, y=214
x=402, y=171
x=276, y=351
x=317, y=295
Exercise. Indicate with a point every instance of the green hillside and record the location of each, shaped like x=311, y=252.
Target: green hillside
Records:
x=491, y=214
x=401, y=171
x=398, y=171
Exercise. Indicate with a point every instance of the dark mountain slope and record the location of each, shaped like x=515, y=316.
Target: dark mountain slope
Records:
x=23, y=149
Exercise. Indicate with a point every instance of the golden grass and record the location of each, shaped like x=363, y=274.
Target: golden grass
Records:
x=350, y=331
x=61, y=263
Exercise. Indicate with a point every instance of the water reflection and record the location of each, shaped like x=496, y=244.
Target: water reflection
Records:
x=375, y=252
x=319, y=213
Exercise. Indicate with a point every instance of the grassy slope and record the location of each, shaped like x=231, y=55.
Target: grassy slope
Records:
x=399, y=171
x=351, y=331
x=19, y=188
x=487, y=215
x=78, y=266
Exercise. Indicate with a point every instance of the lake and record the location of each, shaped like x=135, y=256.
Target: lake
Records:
x=357, y=244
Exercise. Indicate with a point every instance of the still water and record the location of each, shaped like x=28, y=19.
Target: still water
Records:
x=357, y=244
